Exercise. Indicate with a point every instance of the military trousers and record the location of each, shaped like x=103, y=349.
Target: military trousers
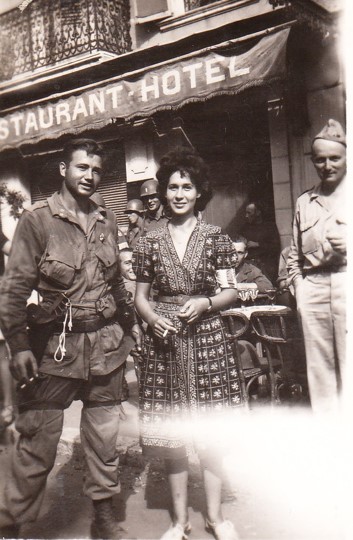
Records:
x=322, y=308
x=40, y=424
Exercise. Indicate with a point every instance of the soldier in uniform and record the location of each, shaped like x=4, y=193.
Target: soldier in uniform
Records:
x=134, y=210
x=245, y=271
x=317, y=264
x=65, y=248
x=154, y=210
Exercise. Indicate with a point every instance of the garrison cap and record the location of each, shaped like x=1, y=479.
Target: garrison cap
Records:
x=332, y=131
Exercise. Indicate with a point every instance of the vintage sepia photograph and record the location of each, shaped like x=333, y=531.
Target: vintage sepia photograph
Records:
x=174, y=223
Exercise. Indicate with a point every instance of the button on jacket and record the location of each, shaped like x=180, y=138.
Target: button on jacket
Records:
x=310, y=248
x=53, y=255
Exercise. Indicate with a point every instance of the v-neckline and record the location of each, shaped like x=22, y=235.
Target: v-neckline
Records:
x=182, y=261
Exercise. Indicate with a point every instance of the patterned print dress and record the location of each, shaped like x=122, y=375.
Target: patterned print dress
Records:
x=192, y=373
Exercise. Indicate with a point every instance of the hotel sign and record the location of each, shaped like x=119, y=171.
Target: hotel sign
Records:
x=171, y=86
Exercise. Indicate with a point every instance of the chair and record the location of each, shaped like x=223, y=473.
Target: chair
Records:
x=279, y=332
x=245, y=352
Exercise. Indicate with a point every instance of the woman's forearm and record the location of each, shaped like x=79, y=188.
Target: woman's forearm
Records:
x=224, y=299
x=144, y=309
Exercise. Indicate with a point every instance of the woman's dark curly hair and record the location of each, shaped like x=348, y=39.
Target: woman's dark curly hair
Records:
x=188, y=162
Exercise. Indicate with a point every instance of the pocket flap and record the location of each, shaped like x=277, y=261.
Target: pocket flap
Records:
x=71, y=257
x=107, y=255
x=309, y=224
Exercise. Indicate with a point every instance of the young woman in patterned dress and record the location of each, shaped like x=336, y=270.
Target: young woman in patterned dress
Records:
x=189, y=371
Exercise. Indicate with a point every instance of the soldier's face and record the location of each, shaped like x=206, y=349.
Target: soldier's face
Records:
x=152, y=203
x=329, y=159
x=132, y=217
x=126, y=266
x=82, y=174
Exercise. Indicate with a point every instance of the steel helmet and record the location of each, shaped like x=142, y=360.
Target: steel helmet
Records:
x=134, y=205
x=150, y=187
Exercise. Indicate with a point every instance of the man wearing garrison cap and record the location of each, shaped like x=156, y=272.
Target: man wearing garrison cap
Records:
x=317, y=267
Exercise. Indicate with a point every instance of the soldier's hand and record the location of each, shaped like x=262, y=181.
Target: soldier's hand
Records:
x=338, y=242
x=24, y=366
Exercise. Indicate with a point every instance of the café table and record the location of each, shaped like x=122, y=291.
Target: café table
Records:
x=239, y=321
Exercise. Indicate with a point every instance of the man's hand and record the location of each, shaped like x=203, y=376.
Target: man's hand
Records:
x=338, y=242
x=24, y=366
x=138, y=337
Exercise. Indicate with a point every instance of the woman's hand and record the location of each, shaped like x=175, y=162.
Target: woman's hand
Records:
x=193, y=309
x=162, y=327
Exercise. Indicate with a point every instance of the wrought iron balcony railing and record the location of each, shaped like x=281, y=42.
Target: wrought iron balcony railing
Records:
x=48, y=32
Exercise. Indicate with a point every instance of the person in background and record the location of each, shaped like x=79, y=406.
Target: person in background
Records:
x=65, y=248
x=317, y=264
x=135, y=211
x=245, y=271
x=154, y=210
x=285, y=294
x=129, y=277
x=263, y=240
x=189, y=372
x=5, y=244
x=6, y=381
x=125, y=256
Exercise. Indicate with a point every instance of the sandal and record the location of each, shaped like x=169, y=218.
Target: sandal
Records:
x=222, y=531
x=177, y=532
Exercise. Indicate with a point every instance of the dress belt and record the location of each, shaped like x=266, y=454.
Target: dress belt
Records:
x=178, y=299
x=82, y=326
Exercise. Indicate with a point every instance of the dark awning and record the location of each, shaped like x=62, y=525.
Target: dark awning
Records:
x=229, y=69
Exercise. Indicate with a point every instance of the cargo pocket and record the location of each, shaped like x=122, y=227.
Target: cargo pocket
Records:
x=308, y=237
x=72, y=347
x=111, y=337
x=29, y=423
x=58, y=266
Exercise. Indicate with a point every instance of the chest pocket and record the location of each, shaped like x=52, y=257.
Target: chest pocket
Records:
x=108, y=258
x=58, y=267
x=310, y=235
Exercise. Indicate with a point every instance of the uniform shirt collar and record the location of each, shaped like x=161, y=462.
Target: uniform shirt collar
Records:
x=58, y=209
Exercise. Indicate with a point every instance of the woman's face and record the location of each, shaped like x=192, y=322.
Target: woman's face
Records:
x=181, y=194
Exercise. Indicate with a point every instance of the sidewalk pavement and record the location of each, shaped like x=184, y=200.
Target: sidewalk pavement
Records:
x=284, y=482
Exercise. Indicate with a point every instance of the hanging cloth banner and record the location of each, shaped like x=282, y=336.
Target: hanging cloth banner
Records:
x=171, y=86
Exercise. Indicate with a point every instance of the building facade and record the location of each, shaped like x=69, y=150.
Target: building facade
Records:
x=246, y=82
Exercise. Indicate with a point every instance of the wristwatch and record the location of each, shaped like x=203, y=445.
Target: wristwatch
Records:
x=210, y=302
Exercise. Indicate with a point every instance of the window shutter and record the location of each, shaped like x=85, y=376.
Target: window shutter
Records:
x=151, y=10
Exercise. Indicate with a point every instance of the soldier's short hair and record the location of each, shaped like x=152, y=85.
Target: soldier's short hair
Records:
x=80, y=143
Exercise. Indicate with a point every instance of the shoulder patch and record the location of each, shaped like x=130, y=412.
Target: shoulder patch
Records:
x=39, y=204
